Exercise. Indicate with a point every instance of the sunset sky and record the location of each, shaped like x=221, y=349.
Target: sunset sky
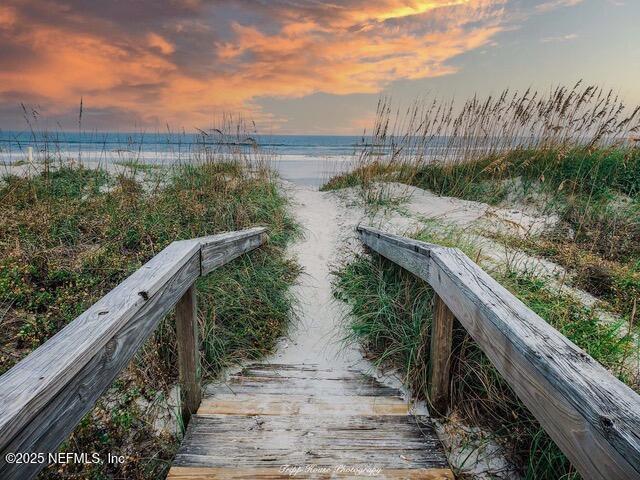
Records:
x=296, y=66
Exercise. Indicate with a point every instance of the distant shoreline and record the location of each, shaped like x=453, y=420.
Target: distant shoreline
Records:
x=304, y=170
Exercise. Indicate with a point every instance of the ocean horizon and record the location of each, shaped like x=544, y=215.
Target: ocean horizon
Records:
x=302, y=159
x=15, y=143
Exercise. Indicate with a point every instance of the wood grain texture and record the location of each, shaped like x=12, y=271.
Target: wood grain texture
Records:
x=218, y=250
x=592, y=416
x=280, y=380
x=45, y=395
x=440, y=355
x=251, y=404
x=265, y=473
x=188, y=353
x=49, y=426
x=255, y=428
x=400, y=250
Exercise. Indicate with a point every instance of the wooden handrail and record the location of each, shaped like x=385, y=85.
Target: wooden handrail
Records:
x=44, y=396
x=592, y=416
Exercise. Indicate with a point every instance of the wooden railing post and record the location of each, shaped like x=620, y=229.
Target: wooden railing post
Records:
x=440, y=353
x=592, y=416
x=45, y=395
x=188, y=353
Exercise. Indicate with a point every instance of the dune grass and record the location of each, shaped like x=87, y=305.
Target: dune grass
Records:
x=138, y=166
x=571, y=153
x=596, y=196
x=71, y=234
x=391, y=314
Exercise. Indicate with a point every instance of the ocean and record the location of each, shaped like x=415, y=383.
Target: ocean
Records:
x=303, y=159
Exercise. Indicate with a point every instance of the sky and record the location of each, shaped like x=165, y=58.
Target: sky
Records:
x=296, y=66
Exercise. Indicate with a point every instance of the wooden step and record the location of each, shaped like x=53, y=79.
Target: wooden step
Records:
x=286, y=381
x=292, y=421
x=315, y=472
x=269, y=404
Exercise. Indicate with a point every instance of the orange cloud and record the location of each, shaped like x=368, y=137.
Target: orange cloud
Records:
x=7, y=16
x=187, y=60
x=160, y=43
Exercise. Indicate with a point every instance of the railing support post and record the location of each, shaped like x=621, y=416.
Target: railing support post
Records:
x=188, y=353
x=440, y=355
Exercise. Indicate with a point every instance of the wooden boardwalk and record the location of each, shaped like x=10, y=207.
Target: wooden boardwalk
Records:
x=303, y=421
x=307, y=417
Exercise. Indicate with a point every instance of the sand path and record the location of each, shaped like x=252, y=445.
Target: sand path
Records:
x=317, y=335
x=311, y=407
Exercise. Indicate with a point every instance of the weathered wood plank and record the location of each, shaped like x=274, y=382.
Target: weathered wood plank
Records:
x=301, y=372
x=440, y=355
x=253, y=458
x=218, y=250
x=188, y=353
x=311, y=471
x=33, y=382
x=301, y=386
x=393, y=428
x=301, y=405
x=49, y=426
x=44, y=396
x=385, y=441
x=399, y=250
x=592, y=416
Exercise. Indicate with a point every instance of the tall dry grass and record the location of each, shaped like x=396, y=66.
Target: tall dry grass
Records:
x=436, y=131
x=230, y=138
x=572, y=152
x=561, y=119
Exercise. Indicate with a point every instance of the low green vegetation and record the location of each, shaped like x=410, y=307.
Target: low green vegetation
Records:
x=570, y=155
x=362, y=176
x=69, y=235
x=391, y=317
x=594, y=194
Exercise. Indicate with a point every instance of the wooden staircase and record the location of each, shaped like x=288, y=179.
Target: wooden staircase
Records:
x=304, y=421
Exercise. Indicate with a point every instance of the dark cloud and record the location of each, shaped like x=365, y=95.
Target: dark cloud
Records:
x=41, y=117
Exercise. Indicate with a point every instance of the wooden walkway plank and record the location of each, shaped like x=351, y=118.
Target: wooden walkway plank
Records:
x=215, y=473
x=301, y=405
x=332, y=424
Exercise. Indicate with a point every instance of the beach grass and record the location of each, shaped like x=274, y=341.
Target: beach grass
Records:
x=570, y=154
x=68, y=235
x=391, y=314
x=595, y=195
